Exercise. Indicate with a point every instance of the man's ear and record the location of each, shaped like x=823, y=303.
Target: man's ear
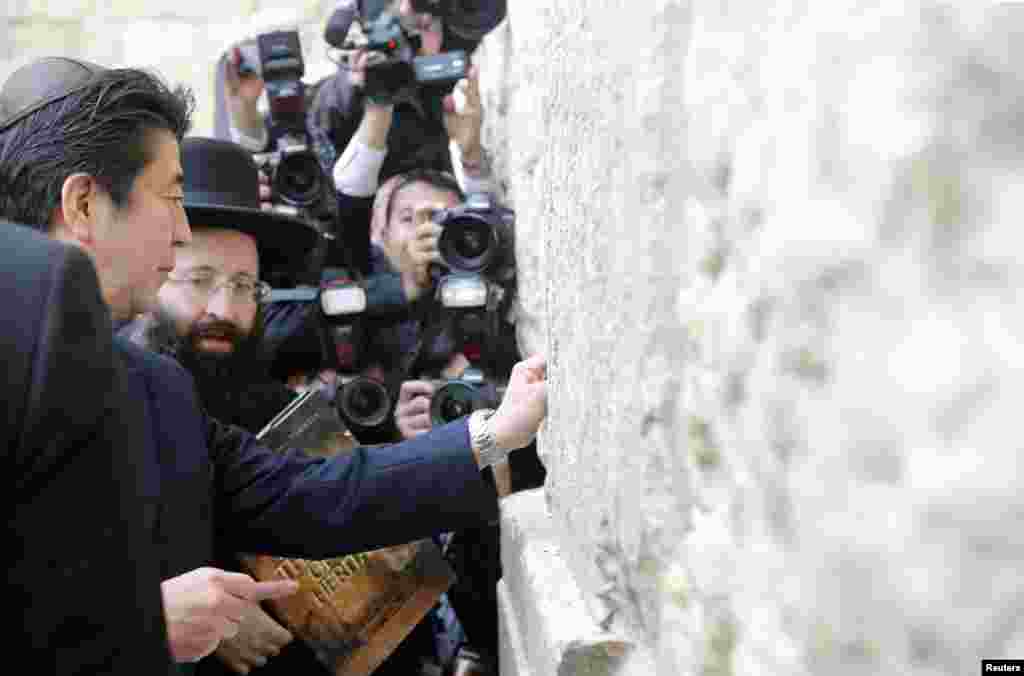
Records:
x=76, y=215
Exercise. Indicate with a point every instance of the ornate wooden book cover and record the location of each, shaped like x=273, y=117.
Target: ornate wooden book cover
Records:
x=352, y=610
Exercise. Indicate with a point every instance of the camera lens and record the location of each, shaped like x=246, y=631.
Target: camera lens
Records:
x=364, y=402
x=453, y=409
x=471, y=243
x=298, y=179
x=468, y=244
x=452, y=401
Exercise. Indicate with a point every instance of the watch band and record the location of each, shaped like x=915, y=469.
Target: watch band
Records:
x=481, y=436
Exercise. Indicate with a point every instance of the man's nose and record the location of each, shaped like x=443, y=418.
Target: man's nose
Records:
x=182, y=233
x=220, y=304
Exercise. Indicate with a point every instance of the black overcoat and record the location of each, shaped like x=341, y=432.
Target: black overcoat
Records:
x=81, y=591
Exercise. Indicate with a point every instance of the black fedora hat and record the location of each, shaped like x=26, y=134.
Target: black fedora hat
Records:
x=222, y=191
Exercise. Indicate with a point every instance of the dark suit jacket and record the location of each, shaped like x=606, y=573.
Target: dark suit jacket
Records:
x=82, y=591
x=207, y=480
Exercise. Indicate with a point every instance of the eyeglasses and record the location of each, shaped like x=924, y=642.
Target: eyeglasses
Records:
x=240, y=289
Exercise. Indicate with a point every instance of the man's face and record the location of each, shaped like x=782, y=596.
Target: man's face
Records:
x=135, y=244
x=198, y=296
x=401, y=227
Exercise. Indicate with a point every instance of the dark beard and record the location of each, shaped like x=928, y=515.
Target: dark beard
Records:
x=214, y=372
x=235, y=388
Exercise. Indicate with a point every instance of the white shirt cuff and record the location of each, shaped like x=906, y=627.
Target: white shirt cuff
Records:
x=357, y=171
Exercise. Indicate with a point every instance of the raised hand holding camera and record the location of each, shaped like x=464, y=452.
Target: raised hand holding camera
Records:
x=464, y=117
x=421, y=251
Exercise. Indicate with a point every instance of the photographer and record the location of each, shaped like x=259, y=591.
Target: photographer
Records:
x=417, y=138
x=357, y=176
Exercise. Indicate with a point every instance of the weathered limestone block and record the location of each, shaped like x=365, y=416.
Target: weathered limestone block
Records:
x=771, y=254
x=543, y=613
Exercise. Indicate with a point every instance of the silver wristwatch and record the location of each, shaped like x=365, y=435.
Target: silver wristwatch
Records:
x=481, y=436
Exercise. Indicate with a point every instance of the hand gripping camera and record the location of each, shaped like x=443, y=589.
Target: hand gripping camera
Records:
x=297, y=181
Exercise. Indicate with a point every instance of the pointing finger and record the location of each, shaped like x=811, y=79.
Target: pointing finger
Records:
x=262, y=591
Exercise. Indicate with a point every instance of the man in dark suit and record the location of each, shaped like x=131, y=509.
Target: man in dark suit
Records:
x=81, y=588
x=102, y=170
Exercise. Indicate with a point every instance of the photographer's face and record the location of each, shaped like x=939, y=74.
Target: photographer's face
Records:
x=401, y=227
x=213, y=321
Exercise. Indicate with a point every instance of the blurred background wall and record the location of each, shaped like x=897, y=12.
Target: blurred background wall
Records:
x=180, y=39
x=772, y=251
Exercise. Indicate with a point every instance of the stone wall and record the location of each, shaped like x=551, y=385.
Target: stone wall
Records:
x=772, y=253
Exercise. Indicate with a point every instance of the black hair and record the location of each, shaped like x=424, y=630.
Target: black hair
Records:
x=103, y=130
x=441, y=180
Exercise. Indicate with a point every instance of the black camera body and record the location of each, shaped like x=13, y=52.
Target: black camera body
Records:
x=342, y=303
x=457, y=397
x=298, y=183
x=327, y=328
x=282, y=68
x=473, y=283
x=394, y=67
x=363, y=403
x=477, y=236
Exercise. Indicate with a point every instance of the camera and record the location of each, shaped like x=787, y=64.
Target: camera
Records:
x=297, y=181
x=342, y=303
x=472, y=285
x=324, y=327
x=394, y=68
x=282, y=68
x=458, y=397
x=476, y=236
x=363, y=403
x=475, y=248
x=467, y=311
